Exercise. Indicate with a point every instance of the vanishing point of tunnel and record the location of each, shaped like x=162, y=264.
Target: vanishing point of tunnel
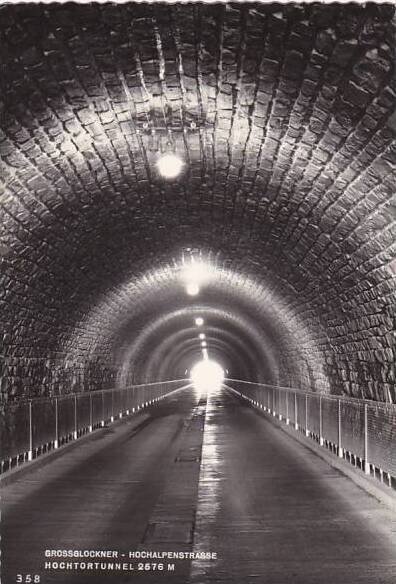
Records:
x=188, y=180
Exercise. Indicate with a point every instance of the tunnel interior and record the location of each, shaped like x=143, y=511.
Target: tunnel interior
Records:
x=283, y=118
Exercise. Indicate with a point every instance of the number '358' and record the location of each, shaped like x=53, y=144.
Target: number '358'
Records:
x=28, y=578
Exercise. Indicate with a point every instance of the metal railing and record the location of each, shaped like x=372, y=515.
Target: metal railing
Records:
x=30, y=428
x=363, y=432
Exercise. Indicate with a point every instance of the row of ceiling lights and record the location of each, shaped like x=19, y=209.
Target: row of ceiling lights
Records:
x=206, y=374
x=194, y=275
x=202, y=337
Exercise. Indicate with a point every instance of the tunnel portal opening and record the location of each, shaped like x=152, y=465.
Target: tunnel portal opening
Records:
x=207, y=376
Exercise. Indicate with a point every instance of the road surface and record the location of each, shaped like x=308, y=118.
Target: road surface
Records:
x=195, y=475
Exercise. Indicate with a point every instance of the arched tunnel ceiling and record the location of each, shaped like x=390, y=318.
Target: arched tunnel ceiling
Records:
x=284, y=117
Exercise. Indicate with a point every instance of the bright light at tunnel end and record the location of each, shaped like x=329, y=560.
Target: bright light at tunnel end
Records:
x=207, y=376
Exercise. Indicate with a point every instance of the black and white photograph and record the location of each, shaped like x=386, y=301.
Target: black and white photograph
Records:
x=197, y=292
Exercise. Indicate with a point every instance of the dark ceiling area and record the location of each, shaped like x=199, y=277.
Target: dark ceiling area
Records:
x=284, y=118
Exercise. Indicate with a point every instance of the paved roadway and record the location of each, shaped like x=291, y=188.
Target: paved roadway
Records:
x=272, y=510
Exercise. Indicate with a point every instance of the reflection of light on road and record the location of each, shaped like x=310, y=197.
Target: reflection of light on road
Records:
x=210, y=487
x=207, y=375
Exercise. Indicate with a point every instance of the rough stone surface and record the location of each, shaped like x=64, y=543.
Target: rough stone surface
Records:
x=284, y=115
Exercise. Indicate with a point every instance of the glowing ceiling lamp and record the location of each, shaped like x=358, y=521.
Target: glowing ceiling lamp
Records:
x=207, y=375
x=170, y=165
x=204, y=344
x=198, y=272
x=202, y=336
x=195, y=274
x=199, y=321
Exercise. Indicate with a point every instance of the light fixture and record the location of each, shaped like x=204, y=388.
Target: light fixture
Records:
x=202, y=336
x=192, y=289
x=170, y=165
x=204, y=344
x=194, y=275
x=198, y=272
x=199, y=321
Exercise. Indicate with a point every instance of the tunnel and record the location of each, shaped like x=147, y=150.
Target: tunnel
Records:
x=198, y=182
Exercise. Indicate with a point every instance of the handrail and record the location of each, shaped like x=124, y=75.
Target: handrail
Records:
x=304, y=391
x=71, y=394
x=29, y=428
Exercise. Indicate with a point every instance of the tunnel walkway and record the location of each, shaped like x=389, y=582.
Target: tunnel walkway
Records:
x=271, y=510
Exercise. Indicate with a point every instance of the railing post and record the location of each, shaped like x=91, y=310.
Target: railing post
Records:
x=340, y=449
x=112, y=406
x=56, y=441
x=30, y=453
x=306, y=415
x=103, y=410
x=279, y=404
x=295, y=412
x=321, y=441
x=287, y=407
x=273, y=403
x=366, y=462
x=75, y=418
x=90, y=412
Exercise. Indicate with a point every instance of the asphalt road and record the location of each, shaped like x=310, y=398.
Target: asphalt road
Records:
x=272, y=511
x=276, y=513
